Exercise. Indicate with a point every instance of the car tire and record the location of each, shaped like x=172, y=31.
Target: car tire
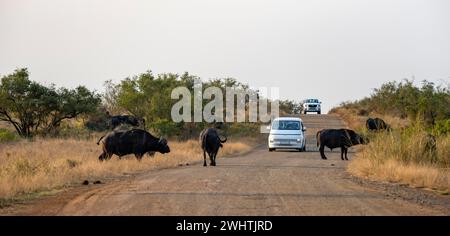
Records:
x=318, y=113
x=271, y=149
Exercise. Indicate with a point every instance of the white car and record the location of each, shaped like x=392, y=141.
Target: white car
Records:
x=287, y=133
x=311, y=105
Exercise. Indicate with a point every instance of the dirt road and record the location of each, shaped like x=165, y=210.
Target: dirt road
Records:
x=258, y=183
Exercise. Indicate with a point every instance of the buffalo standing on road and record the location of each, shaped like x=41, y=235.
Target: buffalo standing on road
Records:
x=377, y=124
x=210, y=143
x=135, y=141
x=333, y=138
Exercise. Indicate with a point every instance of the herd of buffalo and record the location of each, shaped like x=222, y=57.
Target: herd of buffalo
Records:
x=140, y=142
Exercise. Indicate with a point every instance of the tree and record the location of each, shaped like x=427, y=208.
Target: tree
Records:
x=70, y=104
x=24, y=103
x=110, y=98
x=288, y=107
x=147, y=96
x=433, y=103
x=131, y=98
x=30, y=106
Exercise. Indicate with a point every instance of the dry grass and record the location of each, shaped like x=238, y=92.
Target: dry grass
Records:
x=414, y=175
x=45, y=164
x=399, y=156
x=402, y=157
x=349, y=116
x=358, y=122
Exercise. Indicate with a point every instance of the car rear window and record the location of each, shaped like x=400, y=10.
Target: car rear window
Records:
x=286, y=125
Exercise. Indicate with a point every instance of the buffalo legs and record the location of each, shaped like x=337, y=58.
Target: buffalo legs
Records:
x=212, y=158
x=344, y=151
x=138, y=156
x=322, y=152
x=104, y=156
x=204, y=158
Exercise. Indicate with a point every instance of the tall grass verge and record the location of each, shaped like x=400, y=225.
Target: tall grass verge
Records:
x=44, y=164
x=405, y=157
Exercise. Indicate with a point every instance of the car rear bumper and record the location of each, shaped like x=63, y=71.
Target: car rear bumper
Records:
x=286, y=146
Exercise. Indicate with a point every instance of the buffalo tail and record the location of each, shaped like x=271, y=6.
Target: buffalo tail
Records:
x=317, y=138
x=98, y=142
x=222, y=141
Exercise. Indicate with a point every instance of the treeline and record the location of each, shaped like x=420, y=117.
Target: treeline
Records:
x=34, y=109
x=148, y=96
x=427, y=105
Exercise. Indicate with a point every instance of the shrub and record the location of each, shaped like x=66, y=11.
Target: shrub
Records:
x=442, y=127
x=165, y=127
x=7, y=136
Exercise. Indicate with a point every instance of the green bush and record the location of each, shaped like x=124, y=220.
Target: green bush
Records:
x=244, y=129
x=442, y=127
x=98, y=120
x=165, y=127
x=7, y=136
x=429, y=102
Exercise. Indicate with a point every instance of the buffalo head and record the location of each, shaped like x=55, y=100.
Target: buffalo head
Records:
x=162, y=146
x=132, y=121
x=359, y=139
x=356, y=138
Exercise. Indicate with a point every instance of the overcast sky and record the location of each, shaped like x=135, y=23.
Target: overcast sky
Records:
x=327, y=49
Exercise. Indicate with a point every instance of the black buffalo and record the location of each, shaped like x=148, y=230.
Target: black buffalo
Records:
x=334, y=138
x=135, y=141
x=376, y=124
x=123, y=119
x=210, y=143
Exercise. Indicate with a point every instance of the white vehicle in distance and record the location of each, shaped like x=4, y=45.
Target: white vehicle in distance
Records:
x=311, y=105
x=287, y=133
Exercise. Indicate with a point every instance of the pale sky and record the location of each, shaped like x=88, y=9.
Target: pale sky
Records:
x=327, y=49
